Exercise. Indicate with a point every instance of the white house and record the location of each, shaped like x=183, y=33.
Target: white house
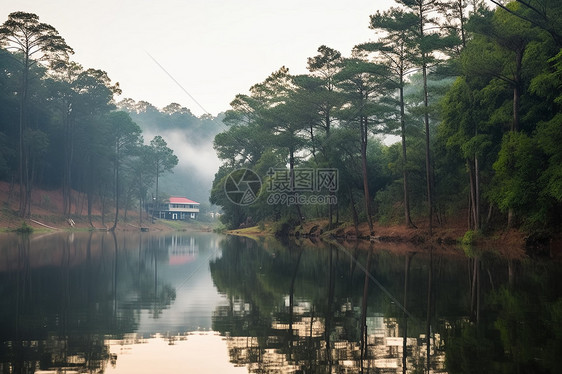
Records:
x=178, y=208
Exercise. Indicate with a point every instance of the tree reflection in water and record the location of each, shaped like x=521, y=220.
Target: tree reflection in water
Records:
x=62, y=295
x=304, y=306
x=447, y=326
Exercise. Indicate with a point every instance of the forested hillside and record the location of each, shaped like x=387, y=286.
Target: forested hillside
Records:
x=60, y=128
x=473, y=93
x=190, y=137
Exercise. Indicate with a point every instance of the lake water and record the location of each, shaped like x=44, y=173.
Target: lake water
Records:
x=208, y=303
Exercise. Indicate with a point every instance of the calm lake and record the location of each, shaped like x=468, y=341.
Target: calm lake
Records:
x=208, y=303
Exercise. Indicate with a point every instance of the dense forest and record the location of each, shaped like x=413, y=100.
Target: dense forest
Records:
x=61, y=127
x=473, y=95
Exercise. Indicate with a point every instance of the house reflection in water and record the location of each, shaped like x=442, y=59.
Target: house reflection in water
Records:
x=182, y=250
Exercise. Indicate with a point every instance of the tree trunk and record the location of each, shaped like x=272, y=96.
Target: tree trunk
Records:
x=426, y=123
x=478, y=223
x=407, y=217
x=116, y=182
x=473, y=198
x=90, y=203
x=140, y=212
x=364, y=134
x=22, y=153
x=89, y=191
x=69, y=155
x=354, y=212
x=427, y=151
x=155, y=202
x=292, y=182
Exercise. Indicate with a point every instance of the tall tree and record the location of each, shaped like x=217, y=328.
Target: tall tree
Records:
x=325, y=100
x=427, y=43
x=396, y=29
x=163, y=160
x=497, y=51
x=125, y=138
x=65, y=96
x=364, y=83
x=325, y=66
x=141, y=167
x=285, y=119
x=33, y=42
x=465, y=130
x=81, y=95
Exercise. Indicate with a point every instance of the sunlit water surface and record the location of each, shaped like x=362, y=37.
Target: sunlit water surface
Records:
x=206, y=303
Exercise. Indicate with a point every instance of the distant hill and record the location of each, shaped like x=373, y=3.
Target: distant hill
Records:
x=191, y=139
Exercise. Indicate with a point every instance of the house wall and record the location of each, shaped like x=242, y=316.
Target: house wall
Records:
x=177, y=215
x=191, y=208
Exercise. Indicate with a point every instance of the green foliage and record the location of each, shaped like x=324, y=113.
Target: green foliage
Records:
x=525, y=324
x=517, y=183
x=549, y=139
x=24, y=228
x=282, y=226
x=469, y=238
x=467, y=351
x=504, y=73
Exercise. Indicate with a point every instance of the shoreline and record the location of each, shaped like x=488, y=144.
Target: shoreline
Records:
x=47, y=207
x=9, y=222
x=512, y=243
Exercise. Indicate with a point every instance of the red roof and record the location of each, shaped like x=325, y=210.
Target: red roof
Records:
x=181, y=200
x=181, y=259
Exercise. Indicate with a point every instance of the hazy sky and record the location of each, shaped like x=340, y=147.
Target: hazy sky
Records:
x=214, y=49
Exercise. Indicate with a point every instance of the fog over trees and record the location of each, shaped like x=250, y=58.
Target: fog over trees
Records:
x=61, y=127
x=473, y=94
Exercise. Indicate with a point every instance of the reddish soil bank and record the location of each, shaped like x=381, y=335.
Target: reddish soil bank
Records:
x=47, y=208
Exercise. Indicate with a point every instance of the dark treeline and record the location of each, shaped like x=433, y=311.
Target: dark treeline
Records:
x=472, y=93
x=60, y=127
x=170, y=118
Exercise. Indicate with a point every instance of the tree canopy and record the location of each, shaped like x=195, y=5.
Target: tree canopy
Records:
x=473, y=92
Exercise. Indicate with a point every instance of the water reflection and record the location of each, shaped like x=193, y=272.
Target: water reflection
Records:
x=333, y=309
x=130, y=303
x=63, y=295
x=328, y=309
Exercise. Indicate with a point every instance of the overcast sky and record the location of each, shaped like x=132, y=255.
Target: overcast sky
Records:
x=214, y=49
